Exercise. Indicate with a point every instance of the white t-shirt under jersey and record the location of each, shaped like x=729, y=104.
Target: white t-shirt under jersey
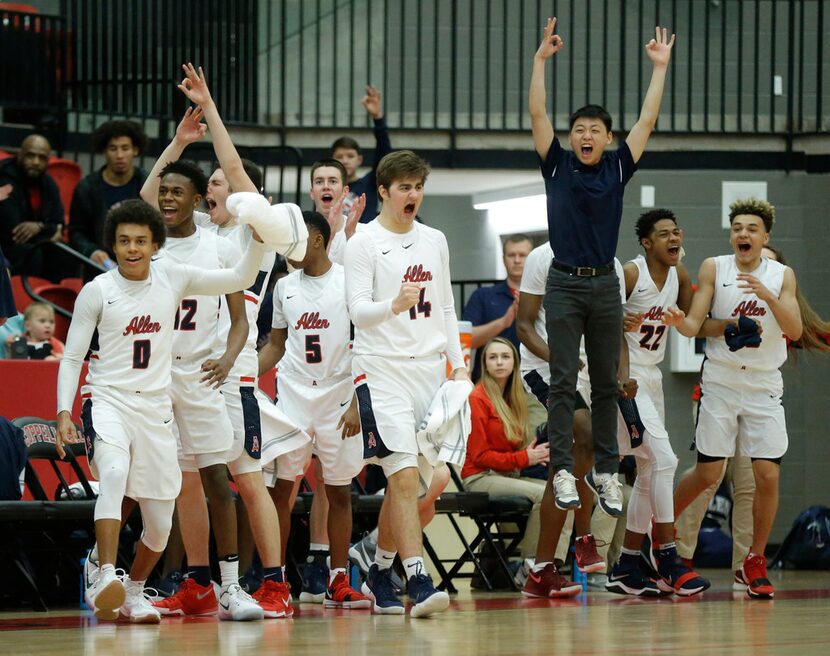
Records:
x=135, y=322
x=730, y=301
x=377, y=263
x=246, y=364
x=196, y=331
x=534, y=279
x=313, y=309
x=647, y=346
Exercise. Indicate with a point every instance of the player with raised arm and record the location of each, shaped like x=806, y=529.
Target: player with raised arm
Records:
x=752, y=308
x=127, y=413
x=311, y=342
x=584, y=191
x=255, y=425
x=204, y=429
x=401, y=303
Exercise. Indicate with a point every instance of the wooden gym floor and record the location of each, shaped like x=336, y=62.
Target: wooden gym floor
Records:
x=595, y=623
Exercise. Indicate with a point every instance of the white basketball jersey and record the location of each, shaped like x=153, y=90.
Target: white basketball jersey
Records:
x=246, y=364
x=730, y=302
x=534, y=279
x=318, y=345
x=195, y=331
x=421, y=256
x=134, y=334
x=647, y=346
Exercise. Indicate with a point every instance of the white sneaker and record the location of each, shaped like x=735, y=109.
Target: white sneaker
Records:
x=564, y=490
x=137, y=606
x=236, y=604
x=90, y=574
x=105, y=595
x=609, y=493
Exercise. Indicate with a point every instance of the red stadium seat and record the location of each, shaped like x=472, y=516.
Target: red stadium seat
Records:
x=67, y=174
x=62, y=297
x=75, y=284
x=21, y=299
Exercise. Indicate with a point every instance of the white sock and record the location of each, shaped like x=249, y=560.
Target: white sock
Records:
x=414, y=566
x=334, y=572
x=129, y=584
x=538, y=567
x=229, y=571
x=384, y=559
x=109, y=567
x=317, y=546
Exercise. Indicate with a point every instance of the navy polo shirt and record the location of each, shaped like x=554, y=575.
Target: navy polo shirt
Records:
x=585, y=204
x=488, y=304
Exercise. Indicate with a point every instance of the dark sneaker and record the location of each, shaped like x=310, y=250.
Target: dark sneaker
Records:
x=608, y=490
x=549, y=583
x=632, y=582
x=378, y=587
x=314, y=584
x=169, y=585
x=426, y=600
x=587, y=558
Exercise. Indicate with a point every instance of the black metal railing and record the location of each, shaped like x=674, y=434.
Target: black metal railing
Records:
x=739, y=66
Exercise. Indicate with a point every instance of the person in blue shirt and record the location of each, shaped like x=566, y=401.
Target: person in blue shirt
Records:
x=584, y=189
x=492, y=310
x=347, y=151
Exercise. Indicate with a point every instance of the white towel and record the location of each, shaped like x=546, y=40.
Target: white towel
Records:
x=442, y=435
x=280, y=226
x=279, y=434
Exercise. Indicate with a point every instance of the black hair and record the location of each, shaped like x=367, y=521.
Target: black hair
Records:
x=110, y=130
x=328, y=161
x=316, y=221
x=190, y=170
x=345, y=142
x=136, y=212
x=591, y=111
x=645, y=224
x=251, y=169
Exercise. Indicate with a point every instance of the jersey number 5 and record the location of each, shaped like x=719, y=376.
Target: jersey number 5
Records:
x=141, y=353
x=313, y=354
x=648, y=332
x=424, y=307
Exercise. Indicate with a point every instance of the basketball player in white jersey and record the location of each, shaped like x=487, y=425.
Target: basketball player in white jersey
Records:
x=535, y=370
x=311, y=343
x=653, y=284
x=204, y=428
x=127, y=412
x=742, y=385
x=330, y=194
x=401, y=303
x=256, y=426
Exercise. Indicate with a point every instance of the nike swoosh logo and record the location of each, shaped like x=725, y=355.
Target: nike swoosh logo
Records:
x=643, y=290
x=202, y=595
x=385, y=252
x=727, y=284
x=168, y=421
x=111, y=302
x=292, y=296
x=347, y=403
x=615, y=578
x=408, y=245
x=535, y=577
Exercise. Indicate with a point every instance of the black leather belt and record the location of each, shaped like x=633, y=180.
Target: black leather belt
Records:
x=583, y=271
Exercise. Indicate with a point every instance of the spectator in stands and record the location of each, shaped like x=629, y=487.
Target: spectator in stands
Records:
x=30, y=205
x=347, y=151
x=492, y=310
x=39, y=333
x=119, y=179
x=496, y=451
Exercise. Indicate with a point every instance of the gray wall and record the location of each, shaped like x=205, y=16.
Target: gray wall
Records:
x=801, y=230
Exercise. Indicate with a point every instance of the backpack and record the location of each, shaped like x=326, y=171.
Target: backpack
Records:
x=807, y=545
